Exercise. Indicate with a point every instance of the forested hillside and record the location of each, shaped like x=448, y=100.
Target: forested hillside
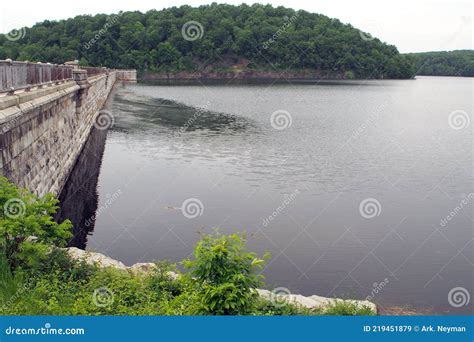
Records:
x=213, y=37
x=444, y=63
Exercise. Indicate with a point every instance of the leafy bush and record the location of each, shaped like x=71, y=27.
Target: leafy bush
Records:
x=114, y=292
x=346, y=308
x=267, y=307
x=225, y=275
x=27, y=228
x=10, y=282
x=58, y=260
x=83, y=290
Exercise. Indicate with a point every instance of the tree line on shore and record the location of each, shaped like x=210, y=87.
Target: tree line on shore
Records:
x=444, y=63
x=211, y=37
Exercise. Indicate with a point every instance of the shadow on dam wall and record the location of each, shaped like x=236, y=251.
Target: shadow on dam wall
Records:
x=79, y=198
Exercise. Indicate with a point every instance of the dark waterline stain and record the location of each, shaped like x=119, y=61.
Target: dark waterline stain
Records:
x=79, y=197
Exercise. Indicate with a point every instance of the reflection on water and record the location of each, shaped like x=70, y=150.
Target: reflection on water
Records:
x=79, y=198
x=153, y=112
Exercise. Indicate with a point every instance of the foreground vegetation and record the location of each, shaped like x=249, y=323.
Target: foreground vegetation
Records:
x=220, y=37
x=444, y=63
x=38, y=278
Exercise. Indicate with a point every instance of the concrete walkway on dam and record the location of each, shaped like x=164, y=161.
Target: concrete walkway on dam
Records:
x=46, y=114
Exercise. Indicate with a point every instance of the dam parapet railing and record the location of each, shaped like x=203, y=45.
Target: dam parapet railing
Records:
x=22, y=76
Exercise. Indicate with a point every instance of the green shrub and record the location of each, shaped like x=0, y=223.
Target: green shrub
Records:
x=187, y=303
x=85, y=290
x=346, y=308
x=269, y=308
x=349, y=75
x=225, y=275
x=11, y=284
x=115, y=292
x=58, y=260
x=27, y=228
x=161, y=281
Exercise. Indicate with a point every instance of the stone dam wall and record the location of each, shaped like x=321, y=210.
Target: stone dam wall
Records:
x=43, y=129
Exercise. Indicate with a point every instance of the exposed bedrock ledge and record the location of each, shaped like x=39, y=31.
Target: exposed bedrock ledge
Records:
x=310, y=302
x=244, y=75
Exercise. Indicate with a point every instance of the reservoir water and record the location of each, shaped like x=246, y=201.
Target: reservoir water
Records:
x=357, y=189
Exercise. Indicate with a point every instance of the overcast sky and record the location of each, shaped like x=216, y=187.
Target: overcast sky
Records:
x=411, y=25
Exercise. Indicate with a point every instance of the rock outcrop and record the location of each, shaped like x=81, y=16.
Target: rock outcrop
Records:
x=314, y=302
x=92, y=258
x=103, y=261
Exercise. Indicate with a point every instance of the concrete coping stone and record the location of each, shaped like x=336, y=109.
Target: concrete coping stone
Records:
x=27, y=101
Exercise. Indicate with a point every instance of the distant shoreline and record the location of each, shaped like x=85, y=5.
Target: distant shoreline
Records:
x=248, y=77
x=242, y=75
x=258, y=77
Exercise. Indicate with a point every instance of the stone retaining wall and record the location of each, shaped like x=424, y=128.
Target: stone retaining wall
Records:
x=127, y=75
x=42, y=131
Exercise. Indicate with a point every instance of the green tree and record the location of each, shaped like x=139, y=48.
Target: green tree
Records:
x=165, y=54
x=27, y=228
x=225, y=274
